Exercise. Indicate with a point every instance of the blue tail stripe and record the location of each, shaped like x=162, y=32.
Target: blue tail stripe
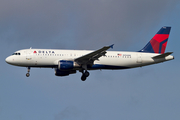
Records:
x=147, y=48
x=164, y=30
x=160, y=47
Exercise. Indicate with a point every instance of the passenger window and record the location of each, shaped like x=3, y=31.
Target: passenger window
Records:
x=16, y=54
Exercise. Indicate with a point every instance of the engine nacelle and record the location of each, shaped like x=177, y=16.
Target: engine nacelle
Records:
x=64, y=73
x=65, y=65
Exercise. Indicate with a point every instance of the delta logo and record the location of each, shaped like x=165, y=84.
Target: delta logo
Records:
x=45, y=52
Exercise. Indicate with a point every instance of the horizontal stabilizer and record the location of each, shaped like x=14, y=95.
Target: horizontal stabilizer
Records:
x=162, y=55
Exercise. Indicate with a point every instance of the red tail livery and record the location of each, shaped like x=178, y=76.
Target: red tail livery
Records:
x=158, y=43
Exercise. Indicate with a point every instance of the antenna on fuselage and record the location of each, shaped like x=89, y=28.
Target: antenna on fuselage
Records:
x=30, y=47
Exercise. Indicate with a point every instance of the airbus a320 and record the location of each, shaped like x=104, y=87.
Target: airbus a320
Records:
x=66, y=62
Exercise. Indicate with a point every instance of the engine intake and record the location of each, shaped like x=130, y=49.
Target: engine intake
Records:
x=65, y=65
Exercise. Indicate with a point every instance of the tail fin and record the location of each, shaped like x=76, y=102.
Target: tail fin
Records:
x=158, y=43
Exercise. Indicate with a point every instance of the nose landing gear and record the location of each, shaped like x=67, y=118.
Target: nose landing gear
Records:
x=27, y=74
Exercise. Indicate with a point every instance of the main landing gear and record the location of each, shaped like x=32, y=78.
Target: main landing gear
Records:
x=84, y=75
x=27, y=74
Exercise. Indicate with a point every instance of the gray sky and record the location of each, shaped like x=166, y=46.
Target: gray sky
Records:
x=149, y=93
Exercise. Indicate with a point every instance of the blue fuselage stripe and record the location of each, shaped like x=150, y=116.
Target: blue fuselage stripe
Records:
x=99, y=66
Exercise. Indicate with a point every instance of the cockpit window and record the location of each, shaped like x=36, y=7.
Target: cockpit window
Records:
x=16, y=54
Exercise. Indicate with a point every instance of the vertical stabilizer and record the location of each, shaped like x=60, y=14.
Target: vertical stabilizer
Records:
x=158, y=43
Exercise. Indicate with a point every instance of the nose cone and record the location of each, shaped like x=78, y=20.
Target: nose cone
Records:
x=13, y=60
x=8, y=60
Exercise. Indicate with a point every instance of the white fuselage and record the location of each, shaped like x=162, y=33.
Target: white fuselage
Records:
x=67, y=62
x=112, y=59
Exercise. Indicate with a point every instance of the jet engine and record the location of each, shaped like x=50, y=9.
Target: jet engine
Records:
x=65, y=68
x=64, y=73
x=65, y=65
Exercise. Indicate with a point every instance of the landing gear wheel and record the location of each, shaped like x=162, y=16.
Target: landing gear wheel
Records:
x=86, y=73
x=27, y=74
x=83, y=78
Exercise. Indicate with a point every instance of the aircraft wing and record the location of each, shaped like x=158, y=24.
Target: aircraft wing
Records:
x=91, y=57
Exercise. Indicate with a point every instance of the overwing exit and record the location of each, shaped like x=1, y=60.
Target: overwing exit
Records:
x=66, y=62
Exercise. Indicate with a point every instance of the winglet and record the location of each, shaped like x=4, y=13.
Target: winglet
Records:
x=111, y=46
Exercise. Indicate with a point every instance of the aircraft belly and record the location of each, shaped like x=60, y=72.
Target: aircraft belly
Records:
x=116, y=63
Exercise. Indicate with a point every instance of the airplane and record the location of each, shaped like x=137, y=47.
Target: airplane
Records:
x=66, y=62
